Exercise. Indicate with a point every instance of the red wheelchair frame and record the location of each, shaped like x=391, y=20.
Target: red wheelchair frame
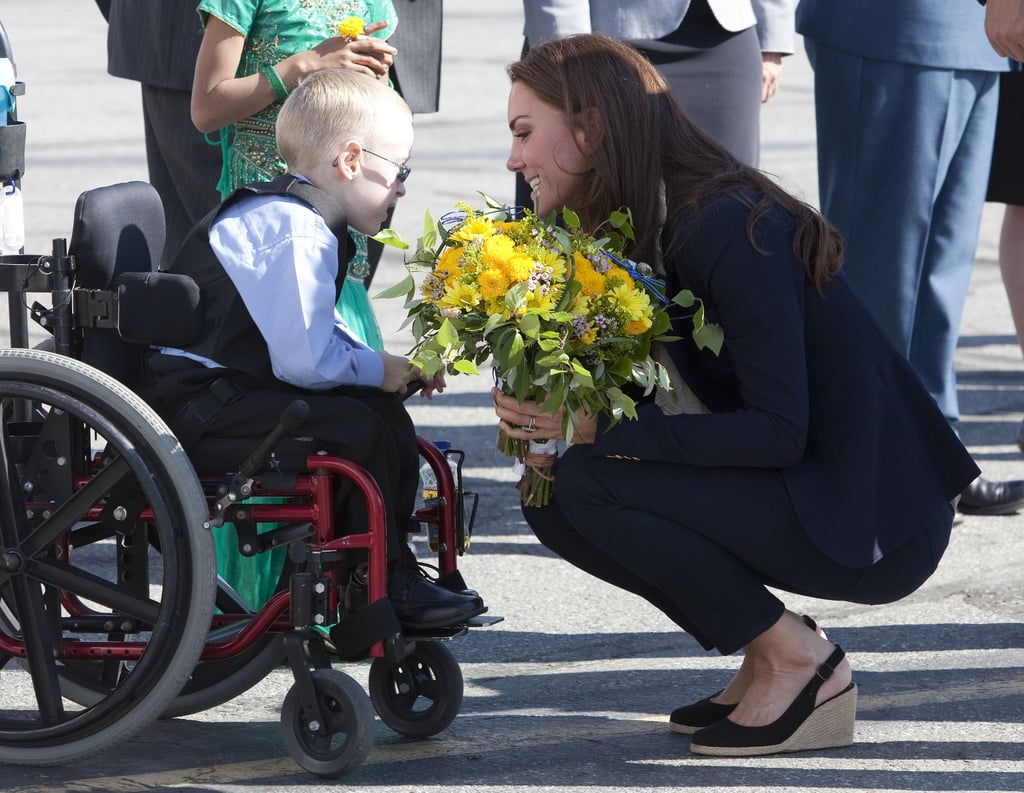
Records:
x=134, y=636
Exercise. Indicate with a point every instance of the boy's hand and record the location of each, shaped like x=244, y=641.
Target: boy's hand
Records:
x=397, y=372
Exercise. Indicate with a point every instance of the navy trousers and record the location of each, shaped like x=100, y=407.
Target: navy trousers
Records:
x=704, y=544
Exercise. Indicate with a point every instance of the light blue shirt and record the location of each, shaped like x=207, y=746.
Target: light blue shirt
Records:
x=283, y=260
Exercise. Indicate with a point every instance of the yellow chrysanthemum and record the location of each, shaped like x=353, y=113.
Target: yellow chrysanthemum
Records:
x=449, y=264
x=493, y=283
x=350, y=27
x=459, y=295
x=519, y=267
x=546, y=302
x=634, y=302
x=548, y=258
x=496, y=252
x=637, y=327
x=590, y=336
x=617, y=274
x=590, y=280
x=474, y=229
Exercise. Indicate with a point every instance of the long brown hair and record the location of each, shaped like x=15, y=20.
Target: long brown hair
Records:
x=647, y=140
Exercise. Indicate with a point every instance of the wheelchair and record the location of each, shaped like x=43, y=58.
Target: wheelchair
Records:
x=112, y=614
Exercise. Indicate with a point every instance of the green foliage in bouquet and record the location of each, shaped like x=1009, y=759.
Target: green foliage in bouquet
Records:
x=563, y=318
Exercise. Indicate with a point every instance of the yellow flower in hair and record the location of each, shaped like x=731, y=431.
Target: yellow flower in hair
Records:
x=351, y=27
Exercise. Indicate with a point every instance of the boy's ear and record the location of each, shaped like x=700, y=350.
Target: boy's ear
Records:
x=348, y=159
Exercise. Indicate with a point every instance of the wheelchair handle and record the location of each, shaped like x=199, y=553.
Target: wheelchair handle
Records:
x=413, y=387
x=291, y=420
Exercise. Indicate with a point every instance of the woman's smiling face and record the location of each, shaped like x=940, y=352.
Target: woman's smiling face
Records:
x=545, y=150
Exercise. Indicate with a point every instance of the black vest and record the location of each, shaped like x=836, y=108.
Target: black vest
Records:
x=230, y=336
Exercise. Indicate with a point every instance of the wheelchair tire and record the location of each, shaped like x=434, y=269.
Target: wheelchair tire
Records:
x=420, y=695
x=346, y=739
x=114, y=613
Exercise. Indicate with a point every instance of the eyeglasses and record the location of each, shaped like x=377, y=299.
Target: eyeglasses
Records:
x=403, y=170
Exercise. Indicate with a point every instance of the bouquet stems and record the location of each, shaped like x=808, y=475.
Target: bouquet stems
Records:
x=537, y=461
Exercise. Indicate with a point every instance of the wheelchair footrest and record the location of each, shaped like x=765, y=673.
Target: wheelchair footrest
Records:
x=485, y=620
x=452, y=631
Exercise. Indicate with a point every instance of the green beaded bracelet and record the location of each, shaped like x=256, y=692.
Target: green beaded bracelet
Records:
x=280, y=91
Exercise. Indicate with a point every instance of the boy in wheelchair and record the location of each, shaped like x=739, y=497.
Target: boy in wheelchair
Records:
x=270, y=262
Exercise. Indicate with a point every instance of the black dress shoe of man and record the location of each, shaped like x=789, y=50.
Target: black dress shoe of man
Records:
x=422, y=604
x=985, y=497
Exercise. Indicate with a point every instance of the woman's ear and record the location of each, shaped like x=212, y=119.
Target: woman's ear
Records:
x=348, y=159
x=589, y=130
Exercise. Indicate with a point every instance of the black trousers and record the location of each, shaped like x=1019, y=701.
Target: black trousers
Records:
x=703, y=544
x=365, y=425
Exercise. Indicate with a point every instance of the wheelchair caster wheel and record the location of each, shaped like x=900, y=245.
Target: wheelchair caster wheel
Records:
x=340, y=745
x=420, y=695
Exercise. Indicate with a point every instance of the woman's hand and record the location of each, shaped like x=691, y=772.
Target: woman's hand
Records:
x=524, y=420
x=771, y=74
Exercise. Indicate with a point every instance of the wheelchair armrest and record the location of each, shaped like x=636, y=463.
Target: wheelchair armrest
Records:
x=164, y=309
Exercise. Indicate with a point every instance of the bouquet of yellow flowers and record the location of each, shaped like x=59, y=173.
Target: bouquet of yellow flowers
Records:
x=564, y=319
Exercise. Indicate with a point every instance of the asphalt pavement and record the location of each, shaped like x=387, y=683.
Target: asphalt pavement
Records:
x=571, y=692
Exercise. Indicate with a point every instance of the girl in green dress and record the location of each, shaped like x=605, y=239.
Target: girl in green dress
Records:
x=253, y=53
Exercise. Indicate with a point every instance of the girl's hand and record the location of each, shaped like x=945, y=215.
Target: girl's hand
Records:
x=364, y=53
x=524, y=420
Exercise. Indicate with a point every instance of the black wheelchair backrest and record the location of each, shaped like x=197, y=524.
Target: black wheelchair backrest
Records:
x=125, y=305
x=117, y=229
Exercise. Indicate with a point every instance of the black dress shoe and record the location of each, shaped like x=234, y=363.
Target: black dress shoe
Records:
x=422, y=604
x=985, y=497
x=803, y=726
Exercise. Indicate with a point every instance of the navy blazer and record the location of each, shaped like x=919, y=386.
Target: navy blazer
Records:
x=807, y=383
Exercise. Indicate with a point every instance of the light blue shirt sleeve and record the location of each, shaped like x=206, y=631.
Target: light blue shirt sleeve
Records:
x=283, y=260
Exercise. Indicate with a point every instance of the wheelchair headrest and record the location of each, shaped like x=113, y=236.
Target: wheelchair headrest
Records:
x=117, y=229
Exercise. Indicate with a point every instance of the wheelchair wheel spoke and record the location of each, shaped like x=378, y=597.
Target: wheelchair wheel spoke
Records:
x=91, y=587
x=37, y=633
x=75, y=508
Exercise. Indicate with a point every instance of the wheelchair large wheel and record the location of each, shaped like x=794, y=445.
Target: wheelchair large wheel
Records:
x=420, y=695
x=106, y=573
x=341, y=744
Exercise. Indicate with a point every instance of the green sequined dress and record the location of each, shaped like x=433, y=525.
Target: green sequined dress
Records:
x=273, y=30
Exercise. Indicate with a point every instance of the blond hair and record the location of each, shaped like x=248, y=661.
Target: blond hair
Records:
x=327, y=108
